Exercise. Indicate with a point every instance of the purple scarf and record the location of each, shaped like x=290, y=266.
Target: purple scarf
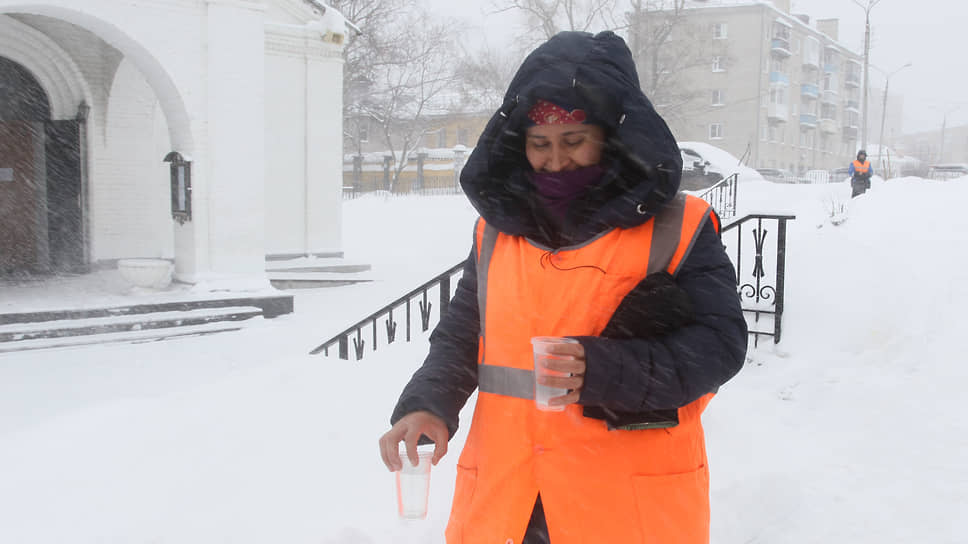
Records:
x=557, y=190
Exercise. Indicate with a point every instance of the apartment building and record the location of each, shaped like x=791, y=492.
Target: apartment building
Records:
x=775, y=90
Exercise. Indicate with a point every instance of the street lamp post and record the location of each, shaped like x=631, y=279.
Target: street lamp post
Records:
x=880, y=139
x=867, y=6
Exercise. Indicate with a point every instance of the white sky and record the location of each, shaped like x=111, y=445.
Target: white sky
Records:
x=923, y=32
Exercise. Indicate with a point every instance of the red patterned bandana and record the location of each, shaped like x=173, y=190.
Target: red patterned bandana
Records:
x=546, y=113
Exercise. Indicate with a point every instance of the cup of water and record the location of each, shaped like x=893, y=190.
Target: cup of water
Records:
x=413, y=485
x=544, y=393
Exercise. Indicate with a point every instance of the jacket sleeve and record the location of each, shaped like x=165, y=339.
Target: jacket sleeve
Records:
x=448, y=375
x=851, y=171
x=670, y=371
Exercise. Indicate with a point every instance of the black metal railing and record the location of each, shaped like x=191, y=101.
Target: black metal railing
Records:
x=383, y=323
x=722, y=196
x=761, y=290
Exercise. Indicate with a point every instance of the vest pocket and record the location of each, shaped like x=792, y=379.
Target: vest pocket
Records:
x=463, y=494
x=674, y=507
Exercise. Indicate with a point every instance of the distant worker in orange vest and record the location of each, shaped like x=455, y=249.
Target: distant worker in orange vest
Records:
x=860, y=174
x=582, y=234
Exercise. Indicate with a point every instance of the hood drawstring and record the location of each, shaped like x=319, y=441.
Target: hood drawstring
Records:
x=547, y=255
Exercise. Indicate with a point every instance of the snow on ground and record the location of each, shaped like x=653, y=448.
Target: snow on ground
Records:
x=848, y=431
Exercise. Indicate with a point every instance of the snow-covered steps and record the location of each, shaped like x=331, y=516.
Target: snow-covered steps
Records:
x=122, y=323
x=139, y=322
x=310, y=280
x=313, y=272
x=133, y=337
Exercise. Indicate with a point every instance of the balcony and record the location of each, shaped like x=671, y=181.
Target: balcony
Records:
x=850, y=133
x=811, y=61
x=779, y=78
x=808, y=120
x=778, y=112
x=780, y=47
x=830, y=68
x=829, y=97
x=828, y=126
x=852, y=105
x=852, y=79
x=809, y=90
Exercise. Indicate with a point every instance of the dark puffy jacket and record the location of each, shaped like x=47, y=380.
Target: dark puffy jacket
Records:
x=669, y=342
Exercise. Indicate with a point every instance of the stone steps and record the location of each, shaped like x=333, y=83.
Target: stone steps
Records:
x=134, y=323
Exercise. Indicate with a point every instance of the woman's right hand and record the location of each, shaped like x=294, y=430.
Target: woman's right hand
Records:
x=408, y=429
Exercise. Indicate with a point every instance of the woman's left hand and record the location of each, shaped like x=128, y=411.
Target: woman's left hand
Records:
x=572, y=361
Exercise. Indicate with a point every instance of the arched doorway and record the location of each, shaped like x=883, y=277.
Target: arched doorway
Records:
x=41, y=218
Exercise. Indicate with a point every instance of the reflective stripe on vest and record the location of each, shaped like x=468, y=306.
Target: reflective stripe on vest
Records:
x=861, y=167
x=672, y=240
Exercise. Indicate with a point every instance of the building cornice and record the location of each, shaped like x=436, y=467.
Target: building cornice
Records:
x=252, y=5
x=298, y=41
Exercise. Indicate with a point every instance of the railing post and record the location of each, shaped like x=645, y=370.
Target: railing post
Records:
x=344, y=348
x=444, y=295
x=421, y=158
x=357, y=173
x=780, y=274
x=387, y=160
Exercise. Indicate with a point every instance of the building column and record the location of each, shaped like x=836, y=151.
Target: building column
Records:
x=324, y=155
x=230, y=226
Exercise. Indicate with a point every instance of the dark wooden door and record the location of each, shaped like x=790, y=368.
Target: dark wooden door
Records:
x=20, y=228
x=65, y=223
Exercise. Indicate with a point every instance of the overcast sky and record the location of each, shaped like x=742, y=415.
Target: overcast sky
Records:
x=927, y=33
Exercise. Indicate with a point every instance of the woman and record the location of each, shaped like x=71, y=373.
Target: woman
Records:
x=582, y=234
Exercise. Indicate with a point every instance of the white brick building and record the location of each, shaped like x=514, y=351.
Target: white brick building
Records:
x=94, y=94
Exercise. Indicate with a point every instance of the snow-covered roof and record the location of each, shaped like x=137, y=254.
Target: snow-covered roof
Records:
x=331, y=19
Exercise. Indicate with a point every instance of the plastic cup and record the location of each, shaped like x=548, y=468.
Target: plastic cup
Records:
x=544, y=393
x=413, y=485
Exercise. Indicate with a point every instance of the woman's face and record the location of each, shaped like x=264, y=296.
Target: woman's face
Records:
x=560, y=148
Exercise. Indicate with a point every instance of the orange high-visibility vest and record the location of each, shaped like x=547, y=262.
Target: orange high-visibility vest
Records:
x=861, y=167
x=597, y=486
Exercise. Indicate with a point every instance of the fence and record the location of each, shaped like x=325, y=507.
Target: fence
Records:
x=722, y=196
x=429, y=172
x=761, y=292
x=382, y=324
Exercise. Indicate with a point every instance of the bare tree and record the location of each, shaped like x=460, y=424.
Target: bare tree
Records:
x=411, y=82
x=665, y=46
x=483, y=77
x=364, y=57
x=554, y=16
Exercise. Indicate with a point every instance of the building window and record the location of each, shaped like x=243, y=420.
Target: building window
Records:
x=778, y=96
x=364, y=130
x=763, y=129
x=716, y=131
x=462, y=136
x=718, y=97
x=442, y=137
x=719, y=64
x=719, y=31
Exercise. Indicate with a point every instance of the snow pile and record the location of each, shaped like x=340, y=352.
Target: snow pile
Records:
x=722, y=161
